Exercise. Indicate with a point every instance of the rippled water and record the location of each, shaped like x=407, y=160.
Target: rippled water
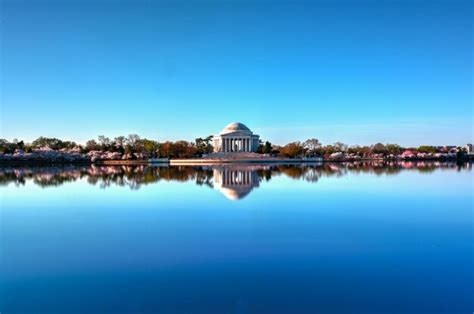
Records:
x=321, y=238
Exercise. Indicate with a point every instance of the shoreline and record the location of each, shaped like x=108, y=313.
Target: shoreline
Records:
x=210, y=161
x=196, y=162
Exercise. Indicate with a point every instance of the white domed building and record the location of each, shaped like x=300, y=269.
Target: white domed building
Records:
x=236, y=137
x=235, y=182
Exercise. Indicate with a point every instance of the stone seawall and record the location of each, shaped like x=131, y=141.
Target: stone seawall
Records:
x=204, y=161
x=121, y=162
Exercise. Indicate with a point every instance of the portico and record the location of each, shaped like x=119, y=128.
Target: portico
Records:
x=236, y=144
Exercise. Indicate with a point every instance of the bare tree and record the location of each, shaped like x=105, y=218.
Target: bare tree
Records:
x=312, y=146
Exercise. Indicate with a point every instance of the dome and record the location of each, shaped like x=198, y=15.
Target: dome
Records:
x=235, y=127
x=235, y=194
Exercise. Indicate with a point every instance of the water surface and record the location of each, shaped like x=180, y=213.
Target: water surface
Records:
x=320, y=238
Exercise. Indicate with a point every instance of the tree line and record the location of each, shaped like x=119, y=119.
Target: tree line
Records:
x=133, y=144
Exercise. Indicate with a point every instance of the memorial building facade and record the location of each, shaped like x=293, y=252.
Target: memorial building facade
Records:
x=236, y=137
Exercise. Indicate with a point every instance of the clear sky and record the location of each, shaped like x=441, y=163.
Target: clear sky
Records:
x=359, y=72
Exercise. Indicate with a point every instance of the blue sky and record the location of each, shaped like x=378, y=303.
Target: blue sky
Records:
x=359, y=72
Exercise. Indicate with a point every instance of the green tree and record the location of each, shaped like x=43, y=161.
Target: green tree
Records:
x=328, y=149
x=204, y=145
x=379, y=148
x=20, y=144
x=355, y=149
x=394, y=149
x=150, y=147
x=7, y=147
x=267, y=147
x=52, y=143
x=365, y=151
x=92, y=145
x=426, y=149
x=264, y=148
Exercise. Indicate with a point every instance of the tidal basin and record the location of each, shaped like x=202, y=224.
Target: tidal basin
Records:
x=365, y=237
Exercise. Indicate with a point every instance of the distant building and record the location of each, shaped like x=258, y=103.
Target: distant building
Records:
x=468, y=148
x=445, y=149
x=236, y=137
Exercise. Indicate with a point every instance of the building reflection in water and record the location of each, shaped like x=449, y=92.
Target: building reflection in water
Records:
x=235, y=182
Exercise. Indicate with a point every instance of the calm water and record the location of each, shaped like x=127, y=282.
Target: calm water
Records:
x=332, y=238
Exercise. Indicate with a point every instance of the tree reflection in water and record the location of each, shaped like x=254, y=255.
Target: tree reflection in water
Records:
x=233, y=180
